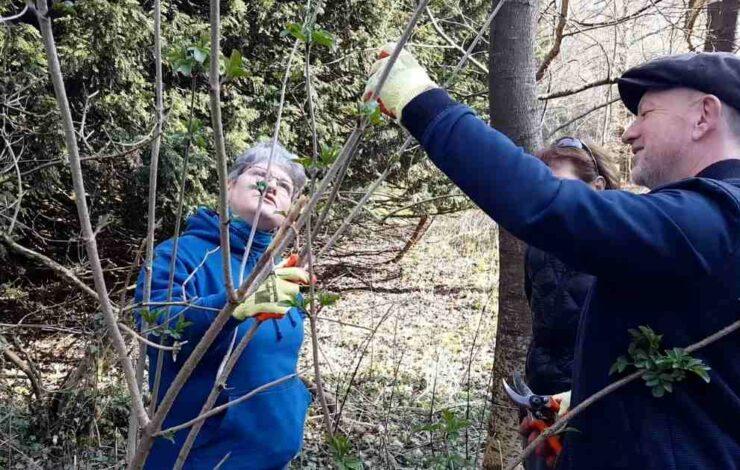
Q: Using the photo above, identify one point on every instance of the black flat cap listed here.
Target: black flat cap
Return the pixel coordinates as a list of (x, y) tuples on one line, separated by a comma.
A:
[(715, 73)]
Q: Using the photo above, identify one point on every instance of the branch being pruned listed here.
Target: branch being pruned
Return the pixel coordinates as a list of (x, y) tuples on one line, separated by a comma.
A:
[(560, 424)]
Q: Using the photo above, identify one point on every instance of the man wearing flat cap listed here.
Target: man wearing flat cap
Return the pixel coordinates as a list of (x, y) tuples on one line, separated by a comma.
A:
[(669, 259)]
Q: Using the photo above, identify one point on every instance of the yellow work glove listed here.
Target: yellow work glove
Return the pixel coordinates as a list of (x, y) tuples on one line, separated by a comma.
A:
[(276, 295), (406, 81)]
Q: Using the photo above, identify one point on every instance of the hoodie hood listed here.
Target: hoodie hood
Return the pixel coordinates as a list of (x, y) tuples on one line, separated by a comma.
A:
[(204, 224)]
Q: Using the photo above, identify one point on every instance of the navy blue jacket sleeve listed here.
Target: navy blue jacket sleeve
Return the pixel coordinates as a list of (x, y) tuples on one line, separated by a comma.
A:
[(683, 230), (200, 312)]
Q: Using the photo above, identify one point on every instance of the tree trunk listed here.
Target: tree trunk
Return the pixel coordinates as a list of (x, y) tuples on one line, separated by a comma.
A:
[(721, 25), (513, 106)]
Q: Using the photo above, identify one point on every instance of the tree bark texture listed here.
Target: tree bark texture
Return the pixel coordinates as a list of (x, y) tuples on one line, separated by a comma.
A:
[(721, 25), (513, 110)]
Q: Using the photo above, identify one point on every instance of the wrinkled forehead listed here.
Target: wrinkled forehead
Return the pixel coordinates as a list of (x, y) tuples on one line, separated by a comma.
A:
[(672, 98)]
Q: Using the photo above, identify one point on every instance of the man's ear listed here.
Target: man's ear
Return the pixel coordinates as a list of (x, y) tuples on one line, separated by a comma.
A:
[(710, 116)]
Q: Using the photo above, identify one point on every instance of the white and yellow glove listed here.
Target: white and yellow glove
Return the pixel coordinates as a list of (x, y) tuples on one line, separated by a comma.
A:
[(406, 81), (276, 295), (563, 399)]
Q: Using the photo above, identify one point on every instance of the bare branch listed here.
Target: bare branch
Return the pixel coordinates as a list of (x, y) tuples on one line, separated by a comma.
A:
[(563, 421), (35, 380), (573, 91), (221, 408), (218, 133), (452, 43), (83, 213), (46, 261), (218, 385), (582, 115), (9, 19), (555, 49)]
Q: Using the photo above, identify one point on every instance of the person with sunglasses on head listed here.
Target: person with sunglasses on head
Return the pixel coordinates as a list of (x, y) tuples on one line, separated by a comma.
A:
[(555, 291), (668, 259)]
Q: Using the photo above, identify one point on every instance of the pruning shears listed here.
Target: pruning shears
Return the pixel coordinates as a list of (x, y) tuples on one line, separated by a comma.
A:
[(542, 407)]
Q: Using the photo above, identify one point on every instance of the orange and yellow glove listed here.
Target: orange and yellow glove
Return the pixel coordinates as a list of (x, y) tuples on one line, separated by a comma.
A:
[(276, 295)]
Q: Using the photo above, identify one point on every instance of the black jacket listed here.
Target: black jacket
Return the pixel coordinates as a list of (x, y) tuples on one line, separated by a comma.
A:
[(556, 294)]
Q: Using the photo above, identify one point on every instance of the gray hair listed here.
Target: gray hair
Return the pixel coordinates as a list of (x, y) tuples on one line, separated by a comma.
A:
[(732, 117), (282, 158)]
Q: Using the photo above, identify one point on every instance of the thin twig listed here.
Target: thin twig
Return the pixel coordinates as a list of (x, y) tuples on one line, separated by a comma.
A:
[(582, 115), (310, 18), (20, 184), (573, 91), (151, 223), (273, 145), (35, 380), (357, 366), (175, 246), (407, 143), (218, 385), (563, 420), (134, 334), (45, 260), (221, 408), (452, 43), (555, 49)]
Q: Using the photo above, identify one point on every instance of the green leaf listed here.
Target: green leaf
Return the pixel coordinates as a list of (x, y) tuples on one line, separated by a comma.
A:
[(328, 298), (184, 67), (65, 8), (198, 53), (260, 186), (658, 391), (371, 109), (305, 161), (322, 37), (295, 30), (235, 66), (702, 372)]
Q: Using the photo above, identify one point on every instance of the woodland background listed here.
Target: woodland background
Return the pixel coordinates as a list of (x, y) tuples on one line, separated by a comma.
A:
[(408, 351)]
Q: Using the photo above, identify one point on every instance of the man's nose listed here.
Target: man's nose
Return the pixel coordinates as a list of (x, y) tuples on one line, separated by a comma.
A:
[(630, 134)]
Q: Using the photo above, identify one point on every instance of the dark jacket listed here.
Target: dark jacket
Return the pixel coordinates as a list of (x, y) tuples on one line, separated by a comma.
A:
[(263, 432), (556, 294), (669, 259)]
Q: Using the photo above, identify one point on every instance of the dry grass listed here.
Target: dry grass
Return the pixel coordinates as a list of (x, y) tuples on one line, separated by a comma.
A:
[(440, 299)]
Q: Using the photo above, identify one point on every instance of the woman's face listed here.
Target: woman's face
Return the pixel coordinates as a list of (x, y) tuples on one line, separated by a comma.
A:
[(244, 195), (565, 169)]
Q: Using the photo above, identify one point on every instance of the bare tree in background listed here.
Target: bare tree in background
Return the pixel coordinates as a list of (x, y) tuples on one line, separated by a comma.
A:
[(513, 106), (721, 25)]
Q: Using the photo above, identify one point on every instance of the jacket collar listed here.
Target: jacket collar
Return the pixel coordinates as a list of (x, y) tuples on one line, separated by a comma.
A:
[(722, 170)]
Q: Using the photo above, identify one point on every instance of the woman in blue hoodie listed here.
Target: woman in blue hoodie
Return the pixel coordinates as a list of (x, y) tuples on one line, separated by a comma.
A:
[(265, 431)]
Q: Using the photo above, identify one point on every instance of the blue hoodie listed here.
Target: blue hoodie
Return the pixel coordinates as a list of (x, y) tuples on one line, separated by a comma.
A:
[(263, 432)]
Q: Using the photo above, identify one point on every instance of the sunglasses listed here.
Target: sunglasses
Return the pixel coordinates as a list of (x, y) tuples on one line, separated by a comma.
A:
[(573, 143)]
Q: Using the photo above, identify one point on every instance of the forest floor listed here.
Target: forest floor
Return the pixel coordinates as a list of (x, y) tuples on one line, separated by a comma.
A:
[(406, 356), (414, 338)]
